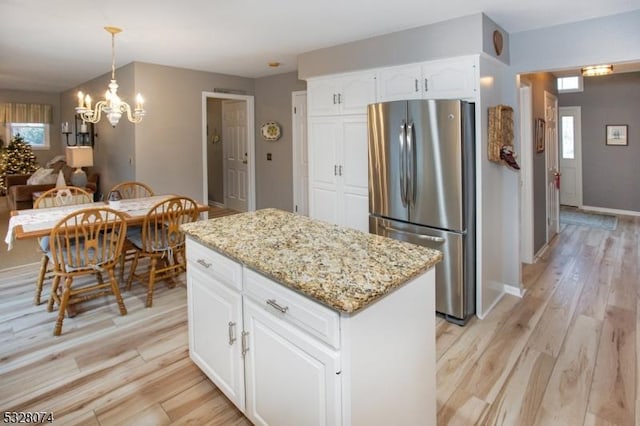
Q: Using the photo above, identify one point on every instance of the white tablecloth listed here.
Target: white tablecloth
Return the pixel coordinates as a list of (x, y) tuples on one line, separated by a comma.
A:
[(37, 219)]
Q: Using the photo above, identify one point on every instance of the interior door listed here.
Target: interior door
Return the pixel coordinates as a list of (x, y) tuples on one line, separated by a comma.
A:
[(553, 167), (570, 156), (234, 134)]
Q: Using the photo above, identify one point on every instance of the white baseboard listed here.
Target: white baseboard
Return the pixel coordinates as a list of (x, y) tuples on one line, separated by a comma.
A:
[(541, 252), (488, 310), (611, 211), (514, 291), (215, 204)]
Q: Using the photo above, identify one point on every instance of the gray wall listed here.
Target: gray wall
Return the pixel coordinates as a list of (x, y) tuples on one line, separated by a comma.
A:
[(113, 147), (168, 142), (56, 145), (215, 182), (456, 37), (274, 179), (609, 173), (540, 82)]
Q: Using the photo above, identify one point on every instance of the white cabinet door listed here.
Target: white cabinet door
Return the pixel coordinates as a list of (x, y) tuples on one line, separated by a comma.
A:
[(356, 92), (323, 96), (399, 83), (449, 79), (338, 170), (343, 94), (353, 173), (324, 135), (215, 326), (292, 379)]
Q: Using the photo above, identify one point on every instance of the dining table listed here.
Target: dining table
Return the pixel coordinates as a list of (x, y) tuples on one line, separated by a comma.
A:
[(35, 223)]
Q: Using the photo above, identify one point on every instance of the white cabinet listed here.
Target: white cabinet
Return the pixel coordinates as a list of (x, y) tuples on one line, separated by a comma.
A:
[(285, 359), (291, 378), (338, 170), (345, 94), (453, 78), (271, 366), (215, 324)]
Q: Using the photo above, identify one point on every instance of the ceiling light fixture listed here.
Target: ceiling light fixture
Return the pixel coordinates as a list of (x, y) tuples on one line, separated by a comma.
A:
[(597, 70), (274, 64), (112, 106)]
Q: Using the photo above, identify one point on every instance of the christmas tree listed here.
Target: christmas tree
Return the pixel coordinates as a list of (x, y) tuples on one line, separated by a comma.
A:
[(16, 158)]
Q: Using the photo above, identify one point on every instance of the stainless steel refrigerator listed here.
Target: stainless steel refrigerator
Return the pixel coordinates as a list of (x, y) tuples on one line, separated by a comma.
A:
[(422, 189)]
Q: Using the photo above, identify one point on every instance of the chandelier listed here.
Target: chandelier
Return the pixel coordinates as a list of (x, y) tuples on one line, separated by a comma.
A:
[(112, 105)]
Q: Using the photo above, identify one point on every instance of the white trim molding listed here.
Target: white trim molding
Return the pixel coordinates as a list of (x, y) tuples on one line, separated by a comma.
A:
[(611, 211)]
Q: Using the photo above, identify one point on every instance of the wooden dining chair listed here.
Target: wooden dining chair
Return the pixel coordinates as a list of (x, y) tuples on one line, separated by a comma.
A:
[(129, 190), (86, 242), (159, 239), (132, 189), (55, 197)]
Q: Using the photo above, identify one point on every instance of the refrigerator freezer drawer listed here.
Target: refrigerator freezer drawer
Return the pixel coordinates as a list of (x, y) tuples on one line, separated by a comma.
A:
[(455, 274)]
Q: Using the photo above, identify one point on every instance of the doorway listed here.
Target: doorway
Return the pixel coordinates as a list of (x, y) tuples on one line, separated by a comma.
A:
[(228, 150), (570, 156)]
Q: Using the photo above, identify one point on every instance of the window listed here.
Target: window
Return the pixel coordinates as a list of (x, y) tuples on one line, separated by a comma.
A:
[(568, 140), (35, 134), (570, 84)]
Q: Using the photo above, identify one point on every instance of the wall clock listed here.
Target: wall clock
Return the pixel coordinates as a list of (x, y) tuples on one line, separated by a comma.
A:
[(271, 131)]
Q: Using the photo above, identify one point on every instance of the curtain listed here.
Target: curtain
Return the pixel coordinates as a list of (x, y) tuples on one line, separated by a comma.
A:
[(25, 113)]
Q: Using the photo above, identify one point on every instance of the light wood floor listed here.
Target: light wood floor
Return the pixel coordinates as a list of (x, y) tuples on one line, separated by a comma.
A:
[(565, 354)]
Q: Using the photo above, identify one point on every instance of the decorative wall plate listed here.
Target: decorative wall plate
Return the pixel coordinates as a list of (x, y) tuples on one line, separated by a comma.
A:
[(271, 131)]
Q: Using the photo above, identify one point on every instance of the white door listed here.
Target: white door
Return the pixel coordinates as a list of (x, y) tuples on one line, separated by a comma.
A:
[(570, 156), (291, 378), (234, 137), (398, 83), (215, 312), (300, 155), (553, 168)]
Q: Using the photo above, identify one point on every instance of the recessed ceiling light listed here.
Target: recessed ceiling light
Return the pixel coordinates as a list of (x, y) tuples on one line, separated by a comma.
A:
[(597, 70), (274, 64)]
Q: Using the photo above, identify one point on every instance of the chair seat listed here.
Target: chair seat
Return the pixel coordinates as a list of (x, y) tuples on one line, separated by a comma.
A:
[(83, 263), (134, 236)]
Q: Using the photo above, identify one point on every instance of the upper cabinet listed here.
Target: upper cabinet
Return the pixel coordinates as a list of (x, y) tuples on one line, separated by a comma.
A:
[(453, 78), (345, 94)]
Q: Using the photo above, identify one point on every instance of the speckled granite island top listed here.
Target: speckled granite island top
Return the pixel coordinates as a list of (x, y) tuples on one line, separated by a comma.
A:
[(342, 268)]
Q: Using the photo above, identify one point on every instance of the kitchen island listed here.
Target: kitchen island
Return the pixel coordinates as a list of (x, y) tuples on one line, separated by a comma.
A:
[(300, 322)]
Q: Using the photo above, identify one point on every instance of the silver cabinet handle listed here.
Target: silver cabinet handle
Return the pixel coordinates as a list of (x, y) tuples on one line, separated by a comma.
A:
[(245, 344), (426, 85), (272, 302), (334, 99), (335, 170), (339, 98), (339, 170), (232, 335), (420, 236), (402, 136), (204, 263), (416, 81)]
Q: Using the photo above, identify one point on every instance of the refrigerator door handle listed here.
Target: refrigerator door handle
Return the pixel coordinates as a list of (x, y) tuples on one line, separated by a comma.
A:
[(402, 157), (411, 193), (420, 236)]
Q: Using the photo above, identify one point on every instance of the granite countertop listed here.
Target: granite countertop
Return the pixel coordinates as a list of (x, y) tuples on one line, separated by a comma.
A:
[(339, 267)]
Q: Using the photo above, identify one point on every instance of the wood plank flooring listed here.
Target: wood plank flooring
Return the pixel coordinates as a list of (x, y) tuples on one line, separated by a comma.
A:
[(564, 354)]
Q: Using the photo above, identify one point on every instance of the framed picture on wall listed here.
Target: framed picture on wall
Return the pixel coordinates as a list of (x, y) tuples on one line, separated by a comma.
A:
[(617, 134), (539, 135)]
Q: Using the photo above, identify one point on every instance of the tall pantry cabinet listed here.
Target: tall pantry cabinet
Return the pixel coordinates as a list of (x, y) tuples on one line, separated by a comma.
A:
[(338, 186)]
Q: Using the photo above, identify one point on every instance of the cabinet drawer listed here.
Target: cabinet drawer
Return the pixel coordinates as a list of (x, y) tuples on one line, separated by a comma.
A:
[(317, 320), (213, 264)]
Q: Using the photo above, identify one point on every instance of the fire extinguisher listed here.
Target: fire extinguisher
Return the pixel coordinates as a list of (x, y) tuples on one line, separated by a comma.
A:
[(556, 177)]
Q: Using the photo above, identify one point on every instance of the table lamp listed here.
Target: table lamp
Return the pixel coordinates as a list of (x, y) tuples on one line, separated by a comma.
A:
[(78, 157)]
